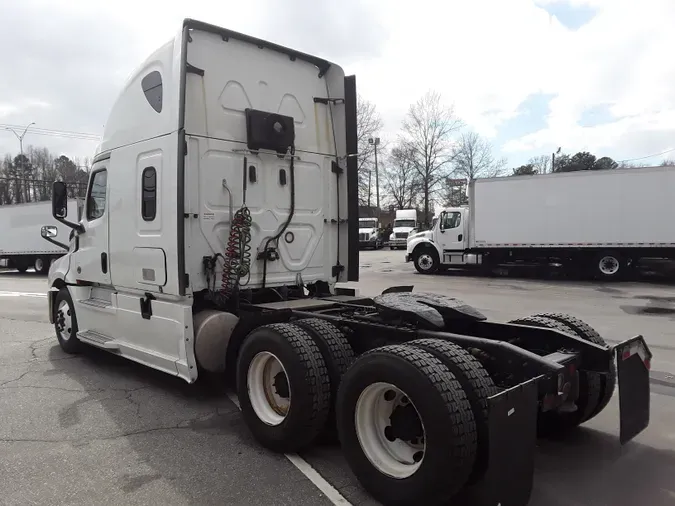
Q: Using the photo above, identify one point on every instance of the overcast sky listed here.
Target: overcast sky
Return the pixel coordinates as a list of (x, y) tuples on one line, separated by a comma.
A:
[(531, 75)]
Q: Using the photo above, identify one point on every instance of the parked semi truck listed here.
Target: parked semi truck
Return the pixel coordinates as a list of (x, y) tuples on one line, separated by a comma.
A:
[(404, 222), (221, 216), (21, 247), (370, 235), (599, 222)]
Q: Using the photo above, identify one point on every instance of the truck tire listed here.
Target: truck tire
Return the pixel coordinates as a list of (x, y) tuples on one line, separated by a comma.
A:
[(65, 322), (41, 265), (585, 331), (477, 385), (552, 423), (426, 260), (608, 265), (337, 354), (403, 394), (277, 364)]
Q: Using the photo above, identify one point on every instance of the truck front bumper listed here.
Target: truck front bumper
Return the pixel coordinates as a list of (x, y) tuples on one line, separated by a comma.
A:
[(408, 257)]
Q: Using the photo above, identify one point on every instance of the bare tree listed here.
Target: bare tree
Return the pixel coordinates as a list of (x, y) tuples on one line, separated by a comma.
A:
[(368, 123), (472, 158), (402, 181), (540, 163), (427, 135)]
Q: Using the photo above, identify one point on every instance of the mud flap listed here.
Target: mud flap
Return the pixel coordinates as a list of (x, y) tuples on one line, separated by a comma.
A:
[(512, 443), (633, 360)]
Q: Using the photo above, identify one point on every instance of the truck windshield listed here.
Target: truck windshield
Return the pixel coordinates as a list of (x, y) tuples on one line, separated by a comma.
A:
[(367, 223), (404, 223)]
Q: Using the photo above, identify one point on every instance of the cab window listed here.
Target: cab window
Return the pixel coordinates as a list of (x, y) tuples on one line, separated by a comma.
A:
[(452, 220), (96, 198)]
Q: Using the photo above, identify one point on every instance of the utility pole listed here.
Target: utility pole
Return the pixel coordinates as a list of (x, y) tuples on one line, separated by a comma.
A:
[(375, 142)]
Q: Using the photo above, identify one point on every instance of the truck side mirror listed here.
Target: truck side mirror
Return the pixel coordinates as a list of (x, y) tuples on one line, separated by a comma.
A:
[(59, 200), (49, 231), (441, 220)]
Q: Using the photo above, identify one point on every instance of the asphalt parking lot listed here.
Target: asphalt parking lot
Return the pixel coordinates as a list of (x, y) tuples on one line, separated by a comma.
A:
[(96, 429)]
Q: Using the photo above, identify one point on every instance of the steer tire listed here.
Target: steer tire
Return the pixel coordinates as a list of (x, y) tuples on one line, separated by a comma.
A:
[(585, 331), (307, 378), (65, 322), (477, 385), (554, 423), (426, 260), (338, 356), (444, 411)]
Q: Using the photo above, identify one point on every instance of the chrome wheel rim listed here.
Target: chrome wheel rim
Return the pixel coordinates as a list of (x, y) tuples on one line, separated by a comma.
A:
[(64, 320), (609, 265)]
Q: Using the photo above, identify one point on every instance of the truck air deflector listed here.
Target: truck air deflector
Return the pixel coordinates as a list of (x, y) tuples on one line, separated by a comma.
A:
[(321, 64)]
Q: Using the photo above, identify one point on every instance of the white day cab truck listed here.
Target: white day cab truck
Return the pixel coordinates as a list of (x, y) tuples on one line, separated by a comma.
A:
[(600, 223), (404, 222), (221, 211), (21, 247), (370, 235)]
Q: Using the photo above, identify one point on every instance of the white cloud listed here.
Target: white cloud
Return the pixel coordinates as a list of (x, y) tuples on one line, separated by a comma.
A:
[(485, 56)]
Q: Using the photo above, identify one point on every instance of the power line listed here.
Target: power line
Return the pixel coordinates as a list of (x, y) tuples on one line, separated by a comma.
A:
[(648, 156), (55, 133)]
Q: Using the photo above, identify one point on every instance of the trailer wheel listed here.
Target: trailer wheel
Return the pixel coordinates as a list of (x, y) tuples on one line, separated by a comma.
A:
[(41, 265), (590, 388), (283, 387), (585, 331), (336, 352), (406, 426), (477, 385), (65, 322), (426, 260), (608, 265)]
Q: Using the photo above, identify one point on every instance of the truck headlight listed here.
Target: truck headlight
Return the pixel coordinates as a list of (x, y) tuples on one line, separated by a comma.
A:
[(373, 238), (391, 237)]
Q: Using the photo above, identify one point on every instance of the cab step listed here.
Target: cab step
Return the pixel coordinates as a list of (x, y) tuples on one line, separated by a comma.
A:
[(98, 340), (98, 303)]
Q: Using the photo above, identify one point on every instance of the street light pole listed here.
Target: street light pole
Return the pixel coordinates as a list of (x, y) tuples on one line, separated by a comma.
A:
[(375, 142), (20, 137)]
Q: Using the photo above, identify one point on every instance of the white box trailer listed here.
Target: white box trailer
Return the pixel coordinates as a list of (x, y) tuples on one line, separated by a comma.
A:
[(21, 244), (199, 252), (602, 221)]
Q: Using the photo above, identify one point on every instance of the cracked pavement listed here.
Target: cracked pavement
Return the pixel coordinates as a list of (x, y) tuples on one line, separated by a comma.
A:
[(96, 429)]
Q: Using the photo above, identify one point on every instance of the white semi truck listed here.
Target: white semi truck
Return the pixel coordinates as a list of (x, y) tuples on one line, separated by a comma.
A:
[(370, 235), (222, 209), (21, 247), (404, 222), (599, 222)]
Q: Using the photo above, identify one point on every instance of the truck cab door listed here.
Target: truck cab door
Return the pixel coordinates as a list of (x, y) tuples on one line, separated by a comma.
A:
[(451, 231), (90, 263)]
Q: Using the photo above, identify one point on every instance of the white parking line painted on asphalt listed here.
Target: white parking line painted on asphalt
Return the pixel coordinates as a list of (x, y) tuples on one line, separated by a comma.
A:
[(305, 468), (23, 294)]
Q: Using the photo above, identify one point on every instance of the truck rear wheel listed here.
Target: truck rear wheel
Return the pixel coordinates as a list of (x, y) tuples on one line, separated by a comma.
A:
[(283, 387), (426, 260), (551, 423), (477, 385), (585, 331), (406, 426), (336, 352)]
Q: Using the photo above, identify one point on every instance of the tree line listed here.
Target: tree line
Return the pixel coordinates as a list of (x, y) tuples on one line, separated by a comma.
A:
[(434, 156), (28, 177)]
